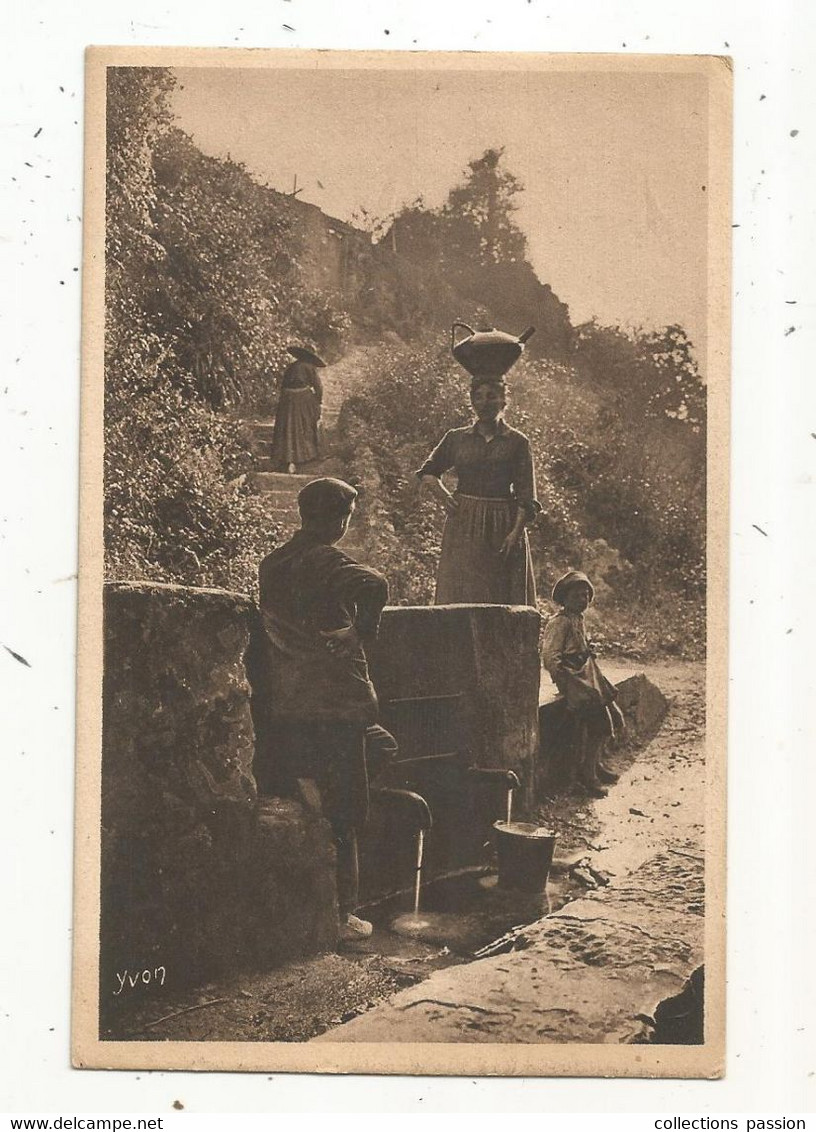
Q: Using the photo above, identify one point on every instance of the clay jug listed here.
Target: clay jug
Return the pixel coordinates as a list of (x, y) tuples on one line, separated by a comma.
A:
[(488, 352)]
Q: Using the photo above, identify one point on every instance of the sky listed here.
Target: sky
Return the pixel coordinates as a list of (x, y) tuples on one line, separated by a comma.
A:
[(613, 163)]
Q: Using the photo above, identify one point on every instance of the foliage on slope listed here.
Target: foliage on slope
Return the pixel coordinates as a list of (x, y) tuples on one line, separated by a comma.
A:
[(202, 296)]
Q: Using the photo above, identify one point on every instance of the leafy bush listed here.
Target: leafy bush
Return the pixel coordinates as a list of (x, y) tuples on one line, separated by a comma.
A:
[(171, 511), (408, 398)]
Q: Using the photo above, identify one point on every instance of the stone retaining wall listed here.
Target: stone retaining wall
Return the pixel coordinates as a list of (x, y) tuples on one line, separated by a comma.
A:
[(196, 876)]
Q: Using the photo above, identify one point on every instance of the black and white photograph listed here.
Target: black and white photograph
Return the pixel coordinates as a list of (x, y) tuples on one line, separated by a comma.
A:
[(403, 563)]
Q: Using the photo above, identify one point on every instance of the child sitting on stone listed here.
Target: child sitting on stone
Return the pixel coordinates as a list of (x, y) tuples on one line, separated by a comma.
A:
[(590, 697)]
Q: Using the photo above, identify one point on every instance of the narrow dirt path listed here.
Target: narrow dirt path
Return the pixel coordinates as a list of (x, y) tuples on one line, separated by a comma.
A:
[(661, 795), (341, 380)]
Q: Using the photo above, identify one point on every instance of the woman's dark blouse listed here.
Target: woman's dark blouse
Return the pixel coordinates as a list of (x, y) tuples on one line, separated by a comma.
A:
[(501, 468), (301, 375)]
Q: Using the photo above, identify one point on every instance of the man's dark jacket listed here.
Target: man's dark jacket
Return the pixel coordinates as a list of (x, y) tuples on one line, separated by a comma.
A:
[(307, 587)]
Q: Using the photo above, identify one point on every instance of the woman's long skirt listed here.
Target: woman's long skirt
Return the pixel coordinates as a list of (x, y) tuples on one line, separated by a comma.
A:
[(471, 569), (295, 439)]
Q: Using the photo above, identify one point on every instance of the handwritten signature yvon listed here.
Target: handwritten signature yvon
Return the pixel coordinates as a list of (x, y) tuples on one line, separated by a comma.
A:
[(139, 978)]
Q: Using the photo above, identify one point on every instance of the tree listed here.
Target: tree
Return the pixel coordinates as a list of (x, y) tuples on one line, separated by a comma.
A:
[(652, 373), (474, 230), (676, 389), (417, 232), (480, 211)]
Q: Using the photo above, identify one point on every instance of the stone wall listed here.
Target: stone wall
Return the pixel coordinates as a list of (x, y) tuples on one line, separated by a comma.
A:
[(644, 707), (381, 290), (331, 251), (196, 876), (458, 686), (199, 876), (487, 654)]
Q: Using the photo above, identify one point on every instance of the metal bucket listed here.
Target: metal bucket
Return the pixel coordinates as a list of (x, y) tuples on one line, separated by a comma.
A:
[(525, 853)]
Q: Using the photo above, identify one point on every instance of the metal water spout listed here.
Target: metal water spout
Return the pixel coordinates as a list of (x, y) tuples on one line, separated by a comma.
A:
[(488, 352), (420, 808), (499, 774), (524, 850), (424, 821)]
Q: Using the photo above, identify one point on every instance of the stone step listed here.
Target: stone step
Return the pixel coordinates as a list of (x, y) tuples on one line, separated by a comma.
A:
[(328, 467), (261, 431)]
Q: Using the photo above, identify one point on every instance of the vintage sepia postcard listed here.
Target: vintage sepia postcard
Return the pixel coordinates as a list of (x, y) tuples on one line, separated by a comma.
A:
[(403, 579)]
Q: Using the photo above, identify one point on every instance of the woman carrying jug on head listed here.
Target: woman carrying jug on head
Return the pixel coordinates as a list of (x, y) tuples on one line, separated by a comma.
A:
[(485, 557), (296, 437)]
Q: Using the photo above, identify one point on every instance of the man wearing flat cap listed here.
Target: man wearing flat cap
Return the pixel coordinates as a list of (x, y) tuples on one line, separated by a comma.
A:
[(320, 609)]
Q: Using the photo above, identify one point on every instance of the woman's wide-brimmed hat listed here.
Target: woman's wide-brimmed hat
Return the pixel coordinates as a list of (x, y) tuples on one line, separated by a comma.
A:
[(571, 578), (304, 355)]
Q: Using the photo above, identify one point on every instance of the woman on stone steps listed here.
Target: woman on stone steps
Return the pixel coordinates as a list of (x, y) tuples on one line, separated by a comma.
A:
[(296, 439)]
